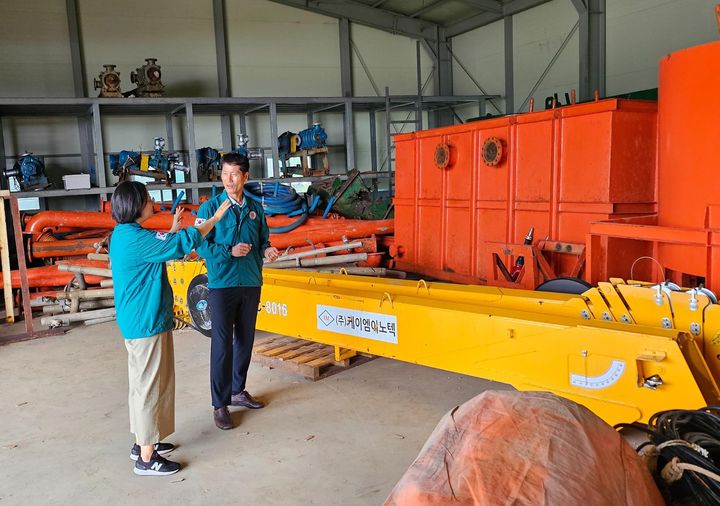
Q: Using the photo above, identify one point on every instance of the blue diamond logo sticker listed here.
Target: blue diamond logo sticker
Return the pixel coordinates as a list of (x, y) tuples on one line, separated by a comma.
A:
[(326, 318)]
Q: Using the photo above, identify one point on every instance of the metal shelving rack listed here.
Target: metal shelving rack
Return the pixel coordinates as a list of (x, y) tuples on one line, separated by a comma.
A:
[(90, 111)]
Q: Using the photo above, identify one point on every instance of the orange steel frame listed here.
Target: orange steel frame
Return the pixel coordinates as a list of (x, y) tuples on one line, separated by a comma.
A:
[(500, 257)]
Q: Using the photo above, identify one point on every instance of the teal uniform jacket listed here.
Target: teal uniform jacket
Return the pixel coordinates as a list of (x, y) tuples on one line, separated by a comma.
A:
[(247, 225), (143, 297)]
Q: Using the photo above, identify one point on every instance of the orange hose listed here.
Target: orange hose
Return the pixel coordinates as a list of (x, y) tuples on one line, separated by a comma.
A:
[(51, 276)]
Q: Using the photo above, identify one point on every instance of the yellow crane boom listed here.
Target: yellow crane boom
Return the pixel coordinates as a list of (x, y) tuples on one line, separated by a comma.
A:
[(624, 350)]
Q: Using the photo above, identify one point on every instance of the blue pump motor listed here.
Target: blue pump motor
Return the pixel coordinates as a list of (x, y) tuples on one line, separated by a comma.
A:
[(158, 162), (29, 171), (208, 160), (313, 137), (124, 160)]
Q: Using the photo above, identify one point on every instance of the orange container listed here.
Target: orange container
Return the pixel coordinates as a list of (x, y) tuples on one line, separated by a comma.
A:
[(463, 190), (689, 154), (684, 236)]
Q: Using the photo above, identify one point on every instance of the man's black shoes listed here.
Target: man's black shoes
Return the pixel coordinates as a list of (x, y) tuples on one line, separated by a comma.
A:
[(246, 400), (222, 419)]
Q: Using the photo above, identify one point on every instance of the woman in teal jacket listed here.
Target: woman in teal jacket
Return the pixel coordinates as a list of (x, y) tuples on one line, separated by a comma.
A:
[(144, 311)]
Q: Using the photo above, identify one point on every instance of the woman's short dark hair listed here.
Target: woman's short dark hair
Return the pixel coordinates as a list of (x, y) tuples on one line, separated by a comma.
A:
[(236, 159), (128, 201)]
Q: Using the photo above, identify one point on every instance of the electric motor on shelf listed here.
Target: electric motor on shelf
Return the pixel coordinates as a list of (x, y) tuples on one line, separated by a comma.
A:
[(148, 79), (313, 137), (310, 138), (208, 159), (28, 172), (159, 165), (108, 82)]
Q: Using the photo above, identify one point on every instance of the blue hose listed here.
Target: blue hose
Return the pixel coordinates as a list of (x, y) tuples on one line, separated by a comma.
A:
[(315, 202), (278, 199), (177, 201), (329, 206)]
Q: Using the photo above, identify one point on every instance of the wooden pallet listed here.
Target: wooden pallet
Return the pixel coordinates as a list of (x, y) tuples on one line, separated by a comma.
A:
[(306, 358)]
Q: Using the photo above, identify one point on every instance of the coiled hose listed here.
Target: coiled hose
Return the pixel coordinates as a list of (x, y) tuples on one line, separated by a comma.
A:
[(278, 198), (686, 444)]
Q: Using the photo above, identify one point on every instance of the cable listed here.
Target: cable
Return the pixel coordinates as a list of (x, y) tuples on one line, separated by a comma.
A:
[(278, 199), (662, 269), (686, 444)]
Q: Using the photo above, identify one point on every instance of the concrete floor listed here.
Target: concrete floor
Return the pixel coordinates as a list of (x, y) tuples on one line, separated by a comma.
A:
[(346, 439)]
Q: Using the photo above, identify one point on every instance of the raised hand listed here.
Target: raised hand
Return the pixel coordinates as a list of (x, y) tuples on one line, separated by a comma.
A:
[(222, 210), (177, 219)]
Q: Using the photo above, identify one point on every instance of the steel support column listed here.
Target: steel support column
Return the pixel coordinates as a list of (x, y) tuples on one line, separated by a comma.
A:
[(443, 79), (418, 104), (274, 140), (169, 134), (349, 136), (345, 58), (373, 141), (226, 126), (85, 129), (347, 91), (192, 159), (509, 67), (591, 18), (78, 69), (97, 141)]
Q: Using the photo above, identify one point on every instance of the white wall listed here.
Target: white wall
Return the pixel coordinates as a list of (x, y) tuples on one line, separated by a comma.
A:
[(276, 50), (391, 61), (639, 32), (482, 52), (34, 49), (176, 33)]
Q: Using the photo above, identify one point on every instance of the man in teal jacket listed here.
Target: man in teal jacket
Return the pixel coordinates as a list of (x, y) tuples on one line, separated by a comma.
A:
[(234, 252)]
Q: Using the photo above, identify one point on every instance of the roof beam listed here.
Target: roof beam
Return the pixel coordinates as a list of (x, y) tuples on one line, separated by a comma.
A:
[(486, 5), (426, 8), (485, 18), (367, 15)]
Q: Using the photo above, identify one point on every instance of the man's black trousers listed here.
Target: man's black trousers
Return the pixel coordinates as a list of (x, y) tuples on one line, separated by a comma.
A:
[(233, 312)]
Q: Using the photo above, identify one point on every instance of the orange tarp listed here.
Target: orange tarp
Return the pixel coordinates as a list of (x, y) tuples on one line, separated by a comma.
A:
[(525, 448)]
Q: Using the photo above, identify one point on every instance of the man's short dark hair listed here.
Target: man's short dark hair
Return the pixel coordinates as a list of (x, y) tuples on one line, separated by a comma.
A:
[(128, 201), (236, 159)]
